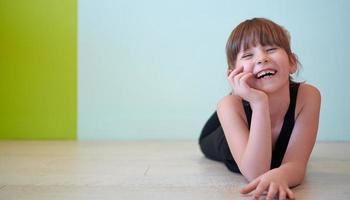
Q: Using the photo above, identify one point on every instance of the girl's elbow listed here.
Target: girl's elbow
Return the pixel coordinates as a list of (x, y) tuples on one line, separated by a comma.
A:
[(301, 177), (250, 175)]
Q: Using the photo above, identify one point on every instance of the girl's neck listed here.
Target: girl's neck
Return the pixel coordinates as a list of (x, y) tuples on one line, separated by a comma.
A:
[(279, 104)]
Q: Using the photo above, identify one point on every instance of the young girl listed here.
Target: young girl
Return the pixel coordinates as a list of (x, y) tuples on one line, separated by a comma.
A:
[(267, 127)]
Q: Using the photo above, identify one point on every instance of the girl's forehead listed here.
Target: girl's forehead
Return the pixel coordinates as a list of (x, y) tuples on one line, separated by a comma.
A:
[(255, 38), (245, 47)]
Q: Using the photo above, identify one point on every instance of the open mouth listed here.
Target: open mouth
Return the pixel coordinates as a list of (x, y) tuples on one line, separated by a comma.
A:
[(265, 74)]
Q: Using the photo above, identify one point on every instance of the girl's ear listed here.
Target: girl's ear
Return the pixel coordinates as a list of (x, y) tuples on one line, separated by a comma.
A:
[(294, 65), (293, 68)]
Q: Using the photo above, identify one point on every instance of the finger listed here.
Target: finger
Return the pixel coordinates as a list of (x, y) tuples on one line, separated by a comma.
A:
[(273, 189), (263, 186), (235, 71), (238, 77), (290, 194), (282, 194), (250, 186), (245, 81), (235, 80), (245, 77)]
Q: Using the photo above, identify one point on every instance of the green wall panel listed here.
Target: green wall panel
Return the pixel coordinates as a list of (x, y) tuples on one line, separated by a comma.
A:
[(38, 69)]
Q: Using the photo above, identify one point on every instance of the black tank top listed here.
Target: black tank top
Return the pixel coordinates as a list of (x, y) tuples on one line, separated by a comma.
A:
[(284, 136)]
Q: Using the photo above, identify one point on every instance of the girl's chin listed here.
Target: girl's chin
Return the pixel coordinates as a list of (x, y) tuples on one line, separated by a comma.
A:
[(270, 87), (265, 86)]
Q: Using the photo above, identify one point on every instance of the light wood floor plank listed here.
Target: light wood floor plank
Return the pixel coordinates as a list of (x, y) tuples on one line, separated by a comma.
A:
[(147, 170)]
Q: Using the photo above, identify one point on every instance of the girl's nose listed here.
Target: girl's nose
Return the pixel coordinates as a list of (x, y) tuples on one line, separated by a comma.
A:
[(262, 59)]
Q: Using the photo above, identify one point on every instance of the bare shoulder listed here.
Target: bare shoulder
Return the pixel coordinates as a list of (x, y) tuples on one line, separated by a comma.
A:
[(231, 104), (229, 100), (309, 91), (308, 97)]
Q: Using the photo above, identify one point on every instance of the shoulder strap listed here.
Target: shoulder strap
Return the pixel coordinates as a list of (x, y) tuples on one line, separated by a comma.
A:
[(286, 131)]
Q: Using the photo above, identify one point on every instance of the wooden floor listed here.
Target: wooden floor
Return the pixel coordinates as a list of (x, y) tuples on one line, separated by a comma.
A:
[(146, 170)]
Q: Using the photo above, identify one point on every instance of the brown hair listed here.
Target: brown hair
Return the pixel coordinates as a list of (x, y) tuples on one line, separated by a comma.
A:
[(257, 31)]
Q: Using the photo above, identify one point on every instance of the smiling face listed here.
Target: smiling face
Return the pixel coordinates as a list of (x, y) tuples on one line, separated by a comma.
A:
[(256, 31), (269, 64), (260, 44)]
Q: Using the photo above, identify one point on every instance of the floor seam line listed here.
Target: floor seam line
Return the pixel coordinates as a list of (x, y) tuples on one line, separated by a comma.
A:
[(146, 171)]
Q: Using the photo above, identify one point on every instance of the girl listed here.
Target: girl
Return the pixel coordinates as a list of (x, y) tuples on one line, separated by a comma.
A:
[(267, 127)]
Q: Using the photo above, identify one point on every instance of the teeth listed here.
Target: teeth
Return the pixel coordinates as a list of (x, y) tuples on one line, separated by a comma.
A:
[(265, 72)]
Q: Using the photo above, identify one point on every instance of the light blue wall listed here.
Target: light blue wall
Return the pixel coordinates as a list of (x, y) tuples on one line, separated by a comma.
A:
[(155, 69)]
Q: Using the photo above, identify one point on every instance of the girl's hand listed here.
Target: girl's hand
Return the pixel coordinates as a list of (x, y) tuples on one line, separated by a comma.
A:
[(238, 80), (273, 182)]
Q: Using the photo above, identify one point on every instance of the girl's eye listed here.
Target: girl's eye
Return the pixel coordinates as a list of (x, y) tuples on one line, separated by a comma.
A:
[(272, 49), (249, 55)]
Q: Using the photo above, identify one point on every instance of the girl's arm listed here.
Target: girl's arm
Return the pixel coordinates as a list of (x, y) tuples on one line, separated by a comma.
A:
[(251, 150), (303, 136), (293, 167)]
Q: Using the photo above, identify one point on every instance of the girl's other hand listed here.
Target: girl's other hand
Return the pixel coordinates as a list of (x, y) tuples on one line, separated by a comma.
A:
[(271, 182), (238, 80)]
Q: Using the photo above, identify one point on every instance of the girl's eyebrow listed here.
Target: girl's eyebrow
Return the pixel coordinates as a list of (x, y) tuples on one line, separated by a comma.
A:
[(246, 50), (270, 45)]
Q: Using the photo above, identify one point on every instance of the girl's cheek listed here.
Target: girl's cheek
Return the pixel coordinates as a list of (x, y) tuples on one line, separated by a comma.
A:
[(247, 68)]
